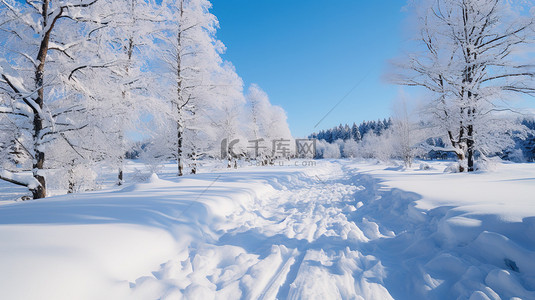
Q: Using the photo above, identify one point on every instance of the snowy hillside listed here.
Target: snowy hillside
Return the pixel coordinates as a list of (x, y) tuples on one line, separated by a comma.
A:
[(339, 230)]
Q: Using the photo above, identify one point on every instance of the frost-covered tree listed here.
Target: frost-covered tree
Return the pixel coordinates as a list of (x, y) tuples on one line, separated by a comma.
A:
[(327, 150), (191, 55), (347, 132), (128, 40), (350, 149), (355, 133), (228, 111), (257, 105), (380, 147), (268, 122), (470, 58), (202, 94), (407, 134), (44, 43)]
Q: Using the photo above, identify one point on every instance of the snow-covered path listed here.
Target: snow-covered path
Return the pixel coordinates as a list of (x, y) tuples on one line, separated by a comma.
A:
[(296, 241)]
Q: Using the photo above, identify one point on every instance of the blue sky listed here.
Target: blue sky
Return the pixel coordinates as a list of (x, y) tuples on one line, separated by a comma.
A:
[(308, 54)]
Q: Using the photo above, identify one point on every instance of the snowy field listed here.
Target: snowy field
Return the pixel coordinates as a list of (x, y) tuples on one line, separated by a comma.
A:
[(338, 230)]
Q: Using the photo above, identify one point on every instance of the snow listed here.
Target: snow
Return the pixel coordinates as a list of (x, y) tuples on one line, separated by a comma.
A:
[(25, 179), (463, 231), (342, 229), (17, 82)]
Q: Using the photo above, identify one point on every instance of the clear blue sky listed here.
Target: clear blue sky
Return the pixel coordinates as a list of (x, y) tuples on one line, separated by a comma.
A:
[(308, 54)]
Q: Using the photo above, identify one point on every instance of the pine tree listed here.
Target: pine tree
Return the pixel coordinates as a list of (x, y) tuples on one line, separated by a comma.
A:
[(355, 133)]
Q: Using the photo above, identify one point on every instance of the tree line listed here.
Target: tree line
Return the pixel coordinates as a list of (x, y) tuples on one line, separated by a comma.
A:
[(354, 132)]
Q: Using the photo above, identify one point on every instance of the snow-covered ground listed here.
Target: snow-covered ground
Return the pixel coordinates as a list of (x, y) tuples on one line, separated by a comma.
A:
[(340, 229)]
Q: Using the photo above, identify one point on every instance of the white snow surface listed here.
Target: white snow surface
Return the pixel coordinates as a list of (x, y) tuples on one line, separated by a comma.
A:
[(339, 230)]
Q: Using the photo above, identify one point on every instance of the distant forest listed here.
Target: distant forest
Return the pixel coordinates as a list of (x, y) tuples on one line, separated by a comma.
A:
[(355, 132)]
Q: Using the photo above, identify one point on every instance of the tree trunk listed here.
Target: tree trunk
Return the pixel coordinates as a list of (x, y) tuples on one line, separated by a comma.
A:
[(129, 53), (120, 176), (194, 163), (457, 145), (179, 152), (121, 157), (72, 184), (38, 122), (470, 146), (180, 97)]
